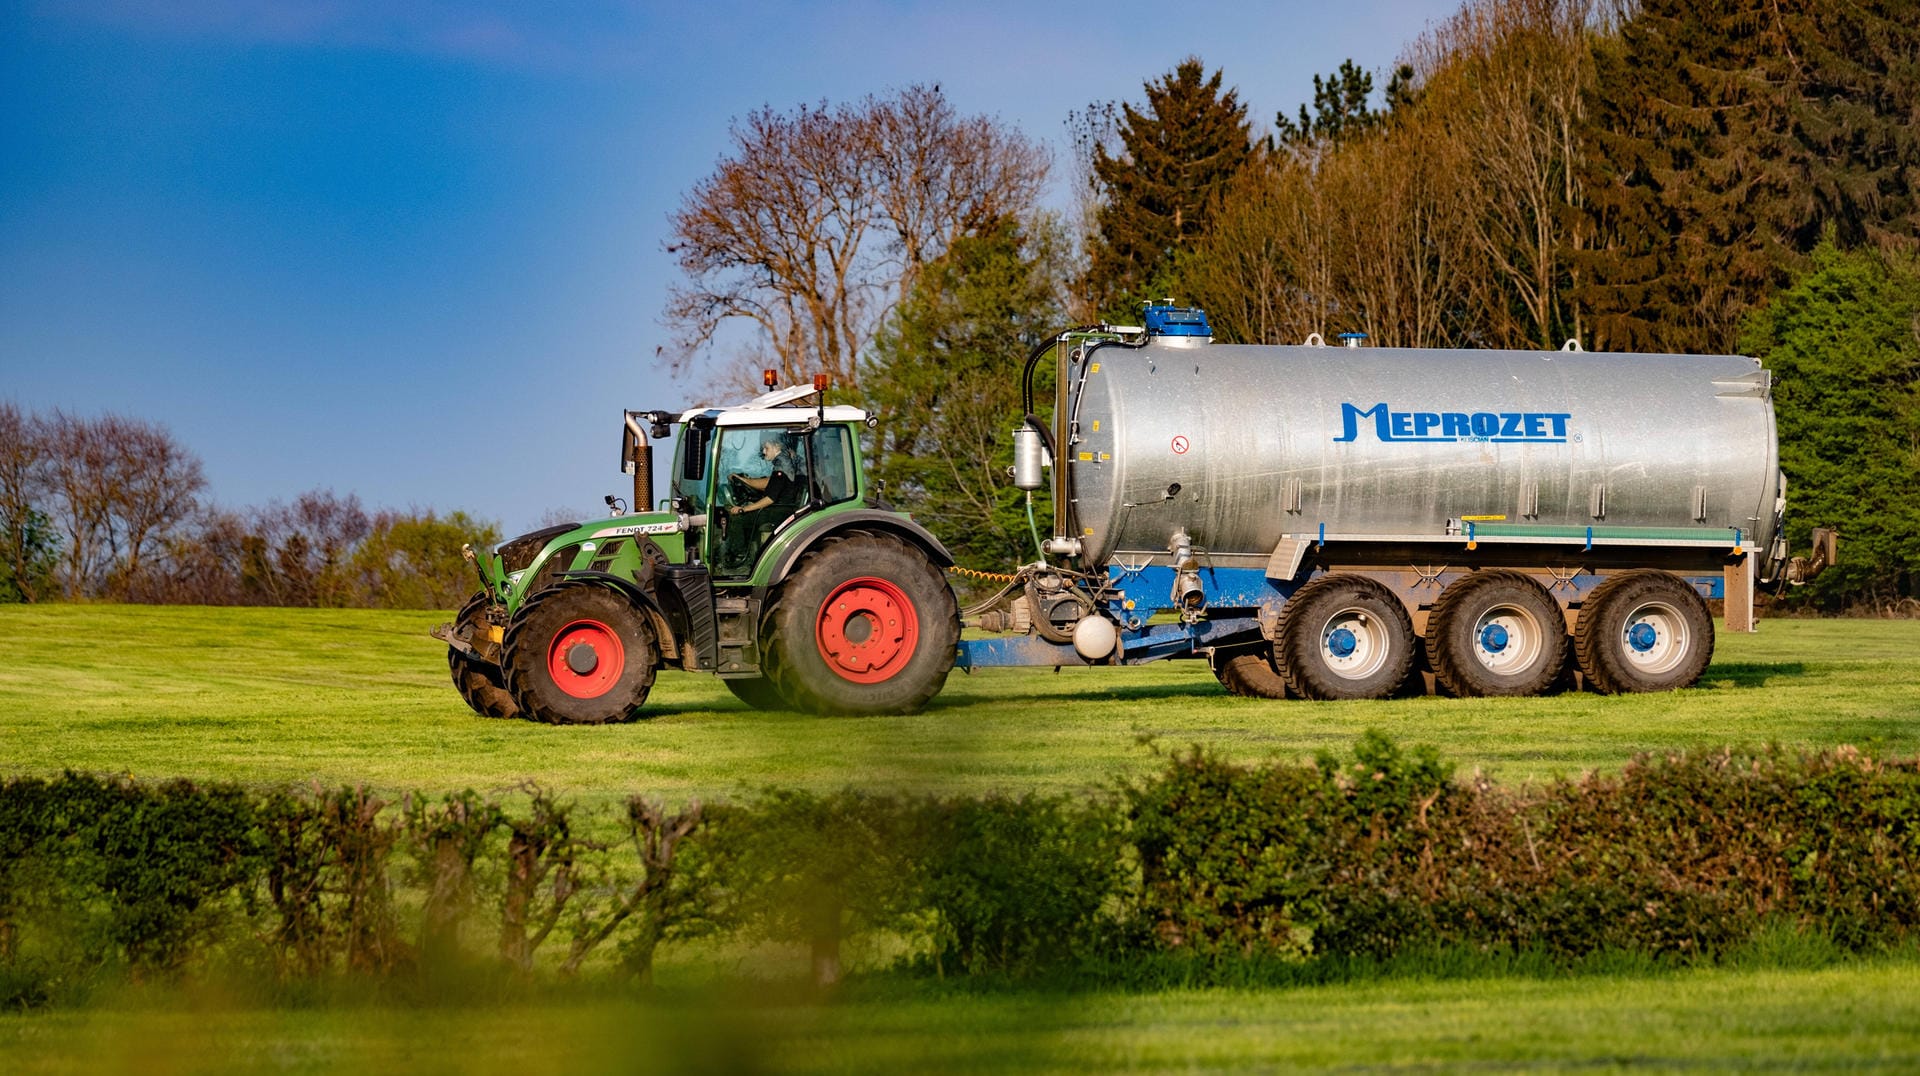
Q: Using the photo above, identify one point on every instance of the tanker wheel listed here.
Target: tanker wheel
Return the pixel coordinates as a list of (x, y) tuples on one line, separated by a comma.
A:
[(579, 654), (865, 625), (1345, 637), (759, 693), (1496, 633), (1644, 630), (1249, 672), (480, 683)]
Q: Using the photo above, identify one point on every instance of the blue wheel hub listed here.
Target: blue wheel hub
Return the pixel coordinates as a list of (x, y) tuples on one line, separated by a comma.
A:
[(1341, 643), (1494, 638), (1642, 637)]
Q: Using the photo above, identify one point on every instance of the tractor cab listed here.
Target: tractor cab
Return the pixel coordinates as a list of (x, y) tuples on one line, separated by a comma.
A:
[(751, 474)]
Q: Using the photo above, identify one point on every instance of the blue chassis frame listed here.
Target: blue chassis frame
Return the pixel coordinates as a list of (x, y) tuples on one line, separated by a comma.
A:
[(1244, 597)]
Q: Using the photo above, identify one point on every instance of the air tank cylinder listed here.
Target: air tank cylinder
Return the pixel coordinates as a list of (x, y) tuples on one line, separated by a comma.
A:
[(1029, 457)]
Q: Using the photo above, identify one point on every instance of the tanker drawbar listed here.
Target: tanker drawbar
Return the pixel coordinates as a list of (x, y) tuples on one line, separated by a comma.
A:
[(1326, 521)]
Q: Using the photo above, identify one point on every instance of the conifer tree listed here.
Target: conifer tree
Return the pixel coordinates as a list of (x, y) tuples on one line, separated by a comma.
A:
[(1845, 355), (1176, 156), (944, 370), (1340, 108), (1723, 139)]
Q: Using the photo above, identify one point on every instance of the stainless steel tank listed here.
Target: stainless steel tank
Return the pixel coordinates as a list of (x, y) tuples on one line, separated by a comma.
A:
[(1240, 445)]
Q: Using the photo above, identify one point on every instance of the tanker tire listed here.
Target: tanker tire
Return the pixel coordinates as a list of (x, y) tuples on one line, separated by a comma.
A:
[(1345, 637), (1643, 631), (759, 693), (1496, 634), (1250, 673), (555, 681), (480, 683), (866, 624)]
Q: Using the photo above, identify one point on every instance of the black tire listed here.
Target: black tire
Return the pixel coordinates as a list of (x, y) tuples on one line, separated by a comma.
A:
[(1249, 672), (579, 654), (1345, 637), (1644, 630), (866, 624), (480, 683), (759, 693), (1496, 633)]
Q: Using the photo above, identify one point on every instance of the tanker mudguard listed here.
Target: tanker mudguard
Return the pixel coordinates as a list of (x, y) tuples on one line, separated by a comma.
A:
[(870, 518)]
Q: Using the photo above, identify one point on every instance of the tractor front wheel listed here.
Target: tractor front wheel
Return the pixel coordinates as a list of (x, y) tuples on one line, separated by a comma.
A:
[(865, 625), (480, 683), (579, 654)]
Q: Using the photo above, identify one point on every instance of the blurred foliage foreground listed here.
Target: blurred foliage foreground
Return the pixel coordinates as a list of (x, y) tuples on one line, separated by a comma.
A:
[(1201, 872)]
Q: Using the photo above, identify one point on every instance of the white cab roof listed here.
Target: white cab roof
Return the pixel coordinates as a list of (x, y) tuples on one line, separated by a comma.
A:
[(781, 407)]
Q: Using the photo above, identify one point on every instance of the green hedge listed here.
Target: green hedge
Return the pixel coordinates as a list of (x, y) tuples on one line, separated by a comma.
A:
[(1212, 865)]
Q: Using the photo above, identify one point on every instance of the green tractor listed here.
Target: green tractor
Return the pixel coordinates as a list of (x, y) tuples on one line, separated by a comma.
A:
[(773, 565)]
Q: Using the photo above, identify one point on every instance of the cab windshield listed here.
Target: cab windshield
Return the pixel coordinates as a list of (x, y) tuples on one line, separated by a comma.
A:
[(768, 476)]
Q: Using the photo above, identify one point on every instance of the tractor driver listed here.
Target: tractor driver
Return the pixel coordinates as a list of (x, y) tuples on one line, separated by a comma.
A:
[(780, 490)]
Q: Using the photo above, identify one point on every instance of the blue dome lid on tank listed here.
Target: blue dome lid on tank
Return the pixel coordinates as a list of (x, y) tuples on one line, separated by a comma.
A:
[(1169, 320)]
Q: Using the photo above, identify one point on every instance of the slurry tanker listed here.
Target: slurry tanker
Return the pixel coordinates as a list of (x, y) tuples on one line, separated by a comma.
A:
[(1320, 522)]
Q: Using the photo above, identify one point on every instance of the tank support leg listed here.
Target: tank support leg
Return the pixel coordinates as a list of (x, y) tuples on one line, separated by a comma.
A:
[(1739, 593)]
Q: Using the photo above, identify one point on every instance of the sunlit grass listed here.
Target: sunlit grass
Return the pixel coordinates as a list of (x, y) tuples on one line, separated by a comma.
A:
[(273, 696), (1858, 1016), (268, 696)]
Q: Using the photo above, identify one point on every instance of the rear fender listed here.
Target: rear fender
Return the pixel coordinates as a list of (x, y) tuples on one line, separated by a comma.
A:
[(864, 519)]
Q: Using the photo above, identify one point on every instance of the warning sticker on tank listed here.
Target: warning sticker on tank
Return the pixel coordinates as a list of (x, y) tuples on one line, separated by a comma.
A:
[(1180, 445)]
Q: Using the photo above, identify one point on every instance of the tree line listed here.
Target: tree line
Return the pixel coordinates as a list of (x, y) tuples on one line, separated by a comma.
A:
[(112, 507), (1654, 176)]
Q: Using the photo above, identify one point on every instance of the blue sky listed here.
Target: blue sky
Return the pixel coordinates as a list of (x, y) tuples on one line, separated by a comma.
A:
[(413, 250)]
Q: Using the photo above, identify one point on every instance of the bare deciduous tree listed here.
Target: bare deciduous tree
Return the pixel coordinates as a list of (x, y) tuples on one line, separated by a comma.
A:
[(816, 223), (23, 488), (78, 467), (152, 484), (1508, 90)]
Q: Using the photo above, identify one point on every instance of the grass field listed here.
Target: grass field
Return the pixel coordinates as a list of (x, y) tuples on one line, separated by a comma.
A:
[(1858, 1017), (268, 696), (272, 696)]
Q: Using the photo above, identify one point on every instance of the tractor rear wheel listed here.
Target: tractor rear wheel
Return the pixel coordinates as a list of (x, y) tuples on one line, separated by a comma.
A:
[(579, 654), (759, 693), (1496, 633), (1643, 630), (1345, 637), (865, 625), (1249, 672), (480, 683)]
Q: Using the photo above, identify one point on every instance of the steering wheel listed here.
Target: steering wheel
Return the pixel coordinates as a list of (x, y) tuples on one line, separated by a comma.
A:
[(738, 488)]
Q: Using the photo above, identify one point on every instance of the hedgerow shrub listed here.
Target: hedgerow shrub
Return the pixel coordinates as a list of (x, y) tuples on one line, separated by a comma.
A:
[(1016, 886), (1215, 865)]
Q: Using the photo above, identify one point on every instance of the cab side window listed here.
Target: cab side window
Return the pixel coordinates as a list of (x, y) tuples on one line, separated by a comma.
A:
[(832, 464)]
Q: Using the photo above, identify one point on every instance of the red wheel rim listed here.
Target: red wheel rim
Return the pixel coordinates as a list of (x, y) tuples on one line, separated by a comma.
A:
[(586, 659), (867, 630)]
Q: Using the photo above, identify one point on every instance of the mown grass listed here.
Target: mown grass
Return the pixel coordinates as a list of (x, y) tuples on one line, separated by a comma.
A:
[(268, 696), (1856, 1016)]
